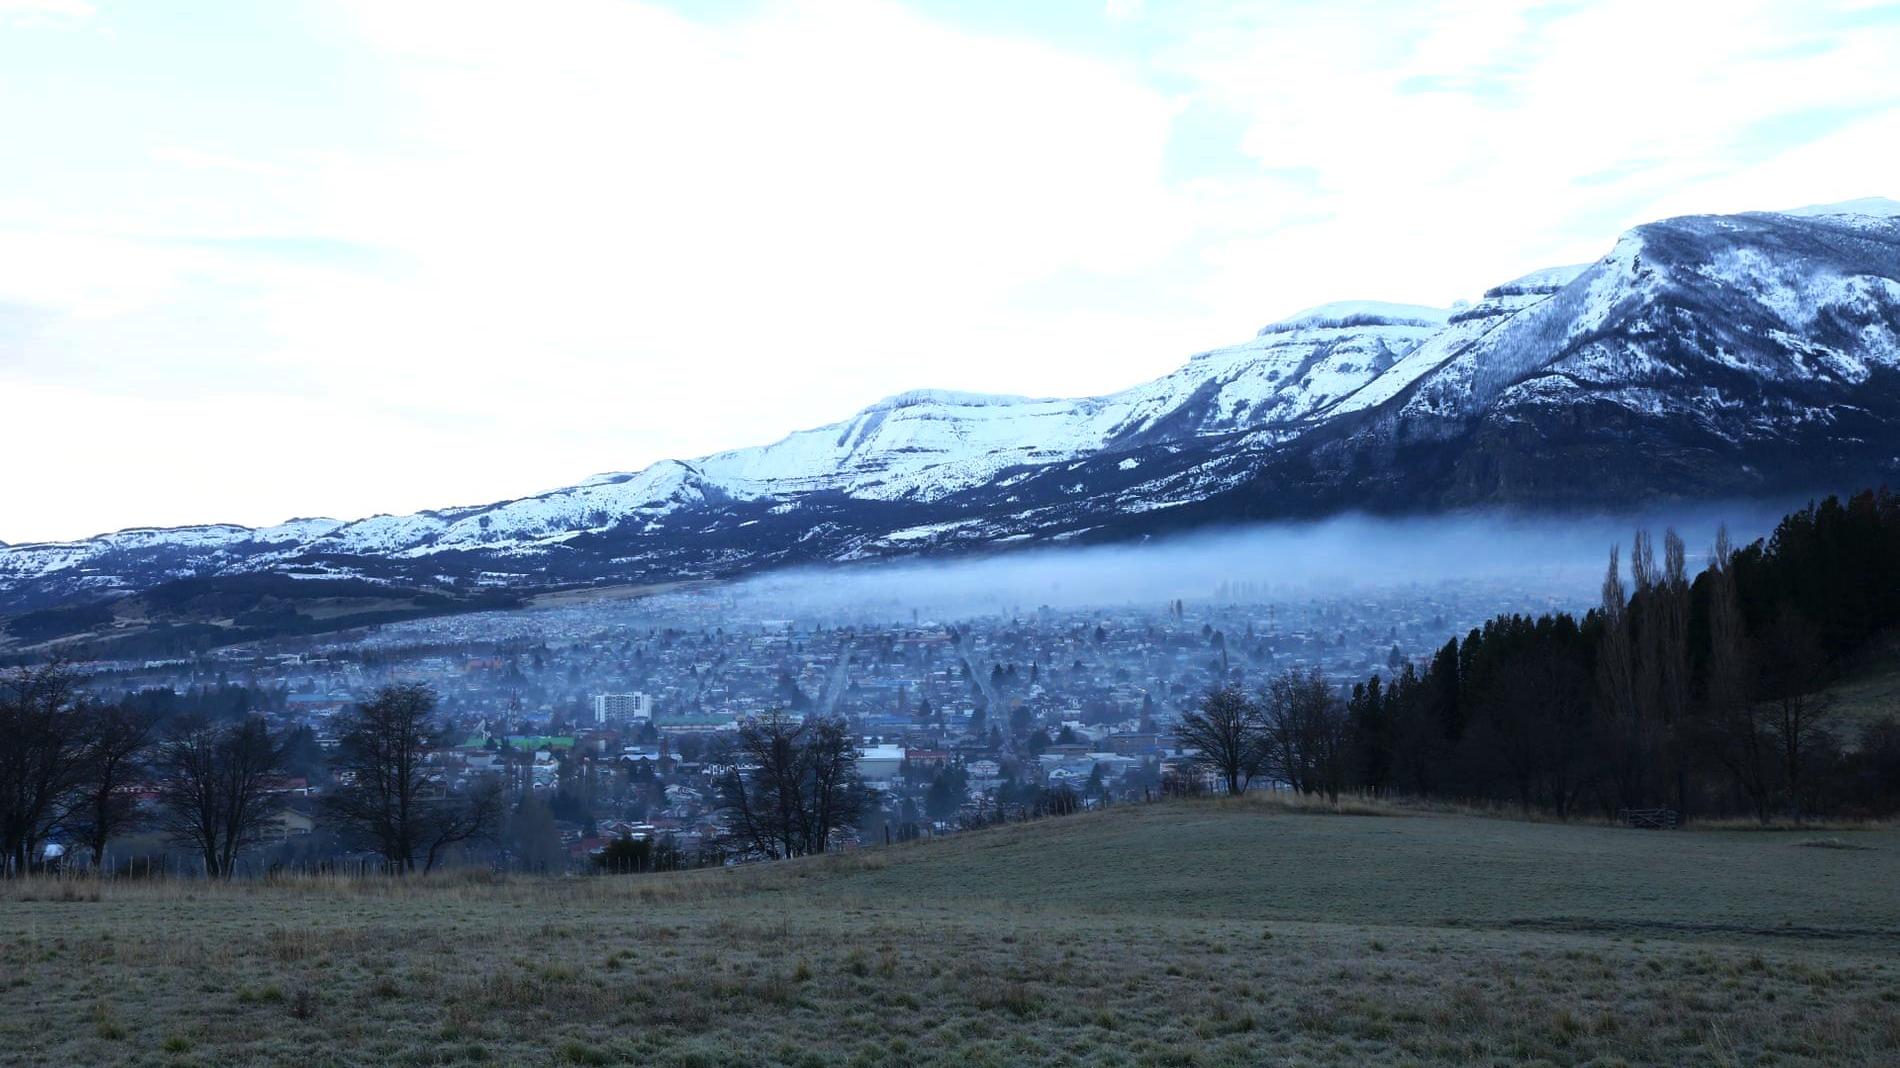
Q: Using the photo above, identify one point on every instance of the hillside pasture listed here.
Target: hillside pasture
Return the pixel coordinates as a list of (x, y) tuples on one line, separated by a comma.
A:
[(1187, 933)]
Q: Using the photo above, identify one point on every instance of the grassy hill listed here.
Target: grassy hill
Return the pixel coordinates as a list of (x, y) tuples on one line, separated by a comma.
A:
[(1206, 933), (188, 615), (1870, 690)]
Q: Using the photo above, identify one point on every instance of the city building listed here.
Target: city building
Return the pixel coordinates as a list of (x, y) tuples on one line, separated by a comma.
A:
[(880, 762), (622, 706)]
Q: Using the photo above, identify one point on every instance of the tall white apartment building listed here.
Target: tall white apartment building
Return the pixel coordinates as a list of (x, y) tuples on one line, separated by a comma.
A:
[(622, 706)]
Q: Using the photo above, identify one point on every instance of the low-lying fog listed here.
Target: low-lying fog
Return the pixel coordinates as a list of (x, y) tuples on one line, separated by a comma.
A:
[(1489, 562), (1562, 558)]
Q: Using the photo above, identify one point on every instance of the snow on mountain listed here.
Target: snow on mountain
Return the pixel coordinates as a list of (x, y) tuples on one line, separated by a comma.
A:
[(1703, 356), (295, 531), (1736, 304), (1290, 371), (1874, 207), (925, 444), (919, 444), (1779, 298), (38, 558), (1704, 336), (1458, 341), (1359, 312), (549, 518)]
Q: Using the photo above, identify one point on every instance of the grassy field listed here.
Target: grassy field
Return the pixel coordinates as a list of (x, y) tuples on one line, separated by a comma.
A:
[(1204, 933), (1869, 694)]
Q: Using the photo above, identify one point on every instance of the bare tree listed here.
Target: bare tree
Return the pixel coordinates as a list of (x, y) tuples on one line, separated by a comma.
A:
[(1673, 627), (1059, 800), (1307, 731), (43, 758), (1793, 669), (218, 788), (757, 788), (531, 837), (388, 797), (835, 798), (1617, 684), (118, 740), (1655, 629), (789, 786), (1738, 736), (1224, 736), (1669, 623)]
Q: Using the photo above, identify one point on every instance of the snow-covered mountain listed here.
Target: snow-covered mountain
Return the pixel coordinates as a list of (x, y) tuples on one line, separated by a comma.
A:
[(1702, 355)]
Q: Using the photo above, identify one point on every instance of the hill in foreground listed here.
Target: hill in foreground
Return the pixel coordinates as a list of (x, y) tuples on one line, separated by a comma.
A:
[(1185, 933)]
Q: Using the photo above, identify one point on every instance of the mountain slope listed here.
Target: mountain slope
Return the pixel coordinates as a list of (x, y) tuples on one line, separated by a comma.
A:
[(1703, 356)]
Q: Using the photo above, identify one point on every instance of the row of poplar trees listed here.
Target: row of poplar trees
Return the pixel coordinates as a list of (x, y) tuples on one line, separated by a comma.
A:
[(1707, 694)]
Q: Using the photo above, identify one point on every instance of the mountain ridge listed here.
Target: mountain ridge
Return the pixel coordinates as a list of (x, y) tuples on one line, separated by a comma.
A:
[(1738, 353)]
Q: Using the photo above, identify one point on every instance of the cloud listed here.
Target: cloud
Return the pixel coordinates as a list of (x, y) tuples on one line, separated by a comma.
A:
[(64, 9), (1452, 142), (197, 159), (622, 214), (507, 246)]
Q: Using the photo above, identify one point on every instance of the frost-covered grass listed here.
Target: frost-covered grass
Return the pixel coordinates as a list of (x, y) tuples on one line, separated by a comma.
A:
[(1868, 695), (1190, 933)]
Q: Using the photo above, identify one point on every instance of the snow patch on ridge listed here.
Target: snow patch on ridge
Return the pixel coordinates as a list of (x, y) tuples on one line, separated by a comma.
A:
[(1874, 207), (1351, 313)]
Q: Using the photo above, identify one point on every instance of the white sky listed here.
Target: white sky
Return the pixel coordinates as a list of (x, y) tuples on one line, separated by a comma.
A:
[(270, 259)]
